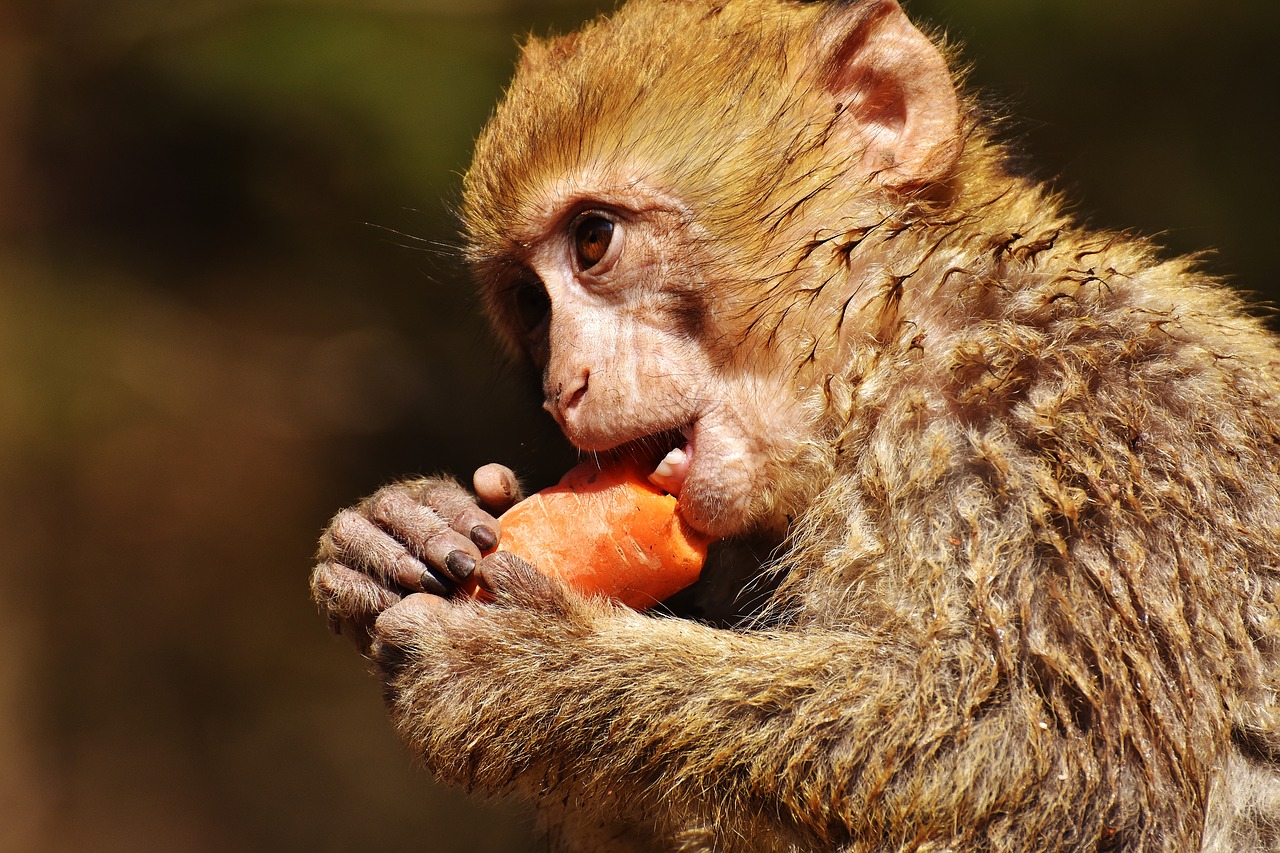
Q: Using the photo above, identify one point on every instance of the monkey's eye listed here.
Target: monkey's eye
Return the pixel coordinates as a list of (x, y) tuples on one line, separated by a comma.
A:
[(592, 235), (532, 303)]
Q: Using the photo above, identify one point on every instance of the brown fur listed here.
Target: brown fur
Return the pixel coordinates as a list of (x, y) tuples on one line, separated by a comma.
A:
[(1029, 594)]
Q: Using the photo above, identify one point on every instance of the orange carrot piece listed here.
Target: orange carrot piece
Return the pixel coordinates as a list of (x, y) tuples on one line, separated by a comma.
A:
[(608, 531)]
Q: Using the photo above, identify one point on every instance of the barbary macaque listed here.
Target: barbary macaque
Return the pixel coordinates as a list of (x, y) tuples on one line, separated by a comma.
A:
[(1023, 478)]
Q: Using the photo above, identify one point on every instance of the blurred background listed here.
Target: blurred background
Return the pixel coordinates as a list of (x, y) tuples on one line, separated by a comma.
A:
[(230, 303)]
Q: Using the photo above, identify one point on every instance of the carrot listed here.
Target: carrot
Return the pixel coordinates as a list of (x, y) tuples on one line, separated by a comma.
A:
[(608, 531)]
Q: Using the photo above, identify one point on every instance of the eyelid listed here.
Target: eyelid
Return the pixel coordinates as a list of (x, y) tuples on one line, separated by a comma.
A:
[(593, 213)]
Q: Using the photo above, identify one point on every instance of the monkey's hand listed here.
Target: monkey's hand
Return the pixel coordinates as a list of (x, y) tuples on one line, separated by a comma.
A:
[(445, 661), (416, 536)]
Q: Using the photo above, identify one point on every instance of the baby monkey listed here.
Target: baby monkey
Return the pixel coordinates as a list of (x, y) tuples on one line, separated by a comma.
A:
[(1023, 476)]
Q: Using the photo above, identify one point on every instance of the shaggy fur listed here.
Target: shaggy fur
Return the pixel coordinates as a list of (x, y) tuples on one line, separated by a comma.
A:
[(1028, 600)]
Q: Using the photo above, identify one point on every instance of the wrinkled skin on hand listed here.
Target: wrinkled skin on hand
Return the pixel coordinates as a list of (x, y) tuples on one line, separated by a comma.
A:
[(423, 627), (387, 572), (407, 547)]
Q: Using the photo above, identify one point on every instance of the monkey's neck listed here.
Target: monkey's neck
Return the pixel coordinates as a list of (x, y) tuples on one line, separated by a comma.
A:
[(914, 286)]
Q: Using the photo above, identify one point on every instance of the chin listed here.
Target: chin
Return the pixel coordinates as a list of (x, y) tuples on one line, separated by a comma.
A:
[(719, 507)]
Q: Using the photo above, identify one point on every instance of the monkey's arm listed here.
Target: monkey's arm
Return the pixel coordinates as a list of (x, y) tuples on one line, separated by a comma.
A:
[(821, 733)]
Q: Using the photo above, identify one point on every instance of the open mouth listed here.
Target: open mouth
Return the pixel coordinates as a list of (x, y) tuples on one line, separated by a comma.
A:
[(667, 455), (671, 472)]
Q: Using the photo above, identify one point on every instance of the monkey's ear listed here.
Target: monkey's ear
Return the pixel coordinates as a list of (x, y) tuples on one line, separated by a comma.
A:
[(895, 94)]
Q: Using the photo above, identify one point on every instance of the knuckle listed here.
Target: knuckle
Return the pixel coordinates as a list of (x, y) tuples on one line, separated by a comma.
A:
[(327, 549), (333, 587), (429, 490), (347, 528), (360, 544), (424, 507), (336, 535), (384, 505), (450, 499), (400, 513), (349, 596)]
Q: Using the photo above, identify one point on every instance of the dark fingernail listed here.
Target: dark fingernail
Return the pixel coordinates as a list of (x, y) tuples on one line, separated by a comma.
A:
[(485, 539), (432, 584), (460, 565)]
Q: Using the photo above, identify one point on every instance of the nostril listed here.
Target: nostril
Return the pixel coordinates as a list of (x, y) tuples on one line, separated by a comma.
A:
[(575, 397), (565, 397)]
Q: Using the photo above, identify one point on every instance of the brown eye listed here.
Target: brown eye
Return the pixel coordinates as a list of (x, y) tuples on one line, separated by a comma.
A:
[(591, 238)]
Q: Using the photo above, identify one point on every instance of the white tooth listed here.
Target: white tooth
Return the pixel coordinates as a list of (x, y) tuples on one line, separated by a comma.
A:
[(672, 460), (670, 468), (665, 468)]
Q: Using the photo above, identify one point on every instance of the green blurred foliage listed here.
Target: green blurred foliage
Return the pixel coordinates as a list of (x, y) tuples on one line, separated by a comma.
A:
[(230, 302)]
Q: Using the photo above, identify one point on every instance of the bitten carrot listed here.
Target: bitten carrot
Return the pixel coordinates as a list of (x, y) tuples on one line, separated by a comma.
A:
[(608, 531)]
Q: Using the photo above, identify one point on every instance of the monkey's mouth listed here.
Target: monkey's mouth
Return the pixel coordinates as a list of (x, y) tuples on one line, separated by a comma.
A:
[(668, 455), (671, 472)]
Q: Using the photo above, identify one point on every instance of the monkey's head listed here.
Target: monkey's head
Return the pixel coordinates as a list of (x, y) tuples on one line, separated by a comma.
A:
[(660, 215)]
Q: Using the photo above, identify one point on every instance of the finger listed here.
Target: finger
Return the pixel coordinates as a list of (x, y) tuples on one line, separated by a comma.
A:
[(467, 519), (479, 526), (453, 503), (396, 629), (360, 544), (514, 580), (425, 533), (408, 615), (497, 487), (348, 596)]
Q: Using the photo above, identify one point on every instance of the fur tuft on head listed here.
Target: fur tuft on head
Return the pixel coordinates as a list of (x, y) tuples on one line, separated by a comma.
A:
[(729, 117)]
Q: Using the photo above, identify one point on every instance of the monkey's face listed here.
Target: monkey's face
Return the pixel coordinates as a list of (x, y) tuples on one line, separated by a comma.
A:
[(663, 214), (606, 296)]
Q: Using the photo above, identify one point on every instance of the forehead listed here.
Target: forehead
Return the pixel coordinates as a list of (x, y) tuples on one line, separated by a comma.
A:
[(661, 92)]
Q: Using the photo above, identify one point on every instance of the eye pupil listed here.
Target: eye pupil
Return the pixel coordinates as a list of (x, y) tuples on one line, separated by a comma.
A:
[(593, 236)]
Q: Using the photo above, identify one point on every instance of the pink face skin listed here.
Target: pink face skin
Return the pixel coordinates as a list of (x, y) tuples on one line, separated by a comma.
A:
[(605, 305), (601, 265)]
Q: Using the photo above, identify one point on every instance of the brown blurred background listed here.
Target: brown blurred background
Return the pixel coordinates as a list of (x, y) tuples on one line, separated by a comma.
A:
[(230, 303)]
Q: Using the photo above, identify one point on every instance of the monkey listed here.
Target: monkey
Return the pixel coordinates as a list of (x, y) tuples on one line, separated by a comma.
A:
[(1020, 476)]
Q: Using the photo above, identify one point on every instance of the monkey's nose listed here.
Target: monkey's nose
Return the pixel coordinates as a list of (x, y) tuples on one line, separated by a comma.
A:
[(566, 397)]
